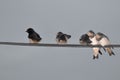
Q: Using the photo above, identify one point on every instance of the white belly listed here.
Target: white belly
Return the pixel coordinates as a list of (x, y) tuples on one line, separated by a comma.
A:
[(94, 41)]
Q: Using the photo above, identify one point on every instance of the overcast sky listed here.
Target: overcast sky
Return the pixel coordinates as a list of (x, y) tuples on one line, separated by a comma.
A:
[(47, 17)]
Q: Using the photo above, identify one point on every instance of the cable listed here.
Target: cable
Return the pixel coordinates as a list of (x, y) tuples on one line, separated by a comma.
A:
[(55, 45)]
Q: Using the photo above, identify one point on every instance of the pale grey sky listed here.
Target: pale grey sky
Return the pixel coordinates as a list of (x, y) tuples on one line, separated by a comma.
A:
[(47, 17)]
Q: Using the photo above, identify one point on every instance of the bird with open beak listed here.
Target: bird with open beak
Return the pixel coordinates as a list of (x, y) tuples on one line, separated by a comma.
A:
[(62, 38), (33, 36), (103, 41), (96, 50)]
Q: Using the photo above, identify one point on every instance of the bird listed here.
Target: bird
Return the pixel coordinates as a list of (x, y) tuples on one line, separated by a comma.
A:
[(96, 50), (103, 41), (33, 36), (84, 40), (62, 38)]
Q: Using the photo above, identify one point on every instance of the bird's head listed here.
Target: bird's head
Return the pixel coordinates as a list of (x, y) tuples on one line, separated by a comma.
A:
[(84, 39), (59, 33), (30, 30), (91, 33)]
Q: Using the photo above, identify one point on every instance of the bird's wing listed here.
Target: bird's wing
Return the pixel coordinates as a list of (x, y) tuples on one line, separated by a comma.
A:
[(35, 36), (104, 35), (68, 36)]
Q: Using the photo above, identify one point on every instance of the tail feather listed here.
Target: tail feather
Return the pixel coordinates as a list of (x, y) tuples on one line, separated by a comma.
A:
[(68, 36), (100, 52), (104, 49), (113, 53), (110, 52)]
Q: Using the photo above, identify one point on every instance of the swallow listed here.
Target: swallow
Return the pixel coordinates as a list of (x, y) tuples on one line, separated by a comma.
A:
[(96, 50), (33, 36), (103, 41), (84, 40), (62, 38)]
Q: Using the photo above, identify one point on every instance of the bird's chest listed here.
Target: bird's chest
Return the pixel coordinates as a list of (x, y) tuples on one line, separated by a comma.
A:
[(94, 41)]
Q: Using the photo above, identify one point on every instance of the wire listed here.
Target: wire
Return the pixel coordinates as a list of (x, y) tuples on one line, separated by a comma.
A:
[(55, 45)]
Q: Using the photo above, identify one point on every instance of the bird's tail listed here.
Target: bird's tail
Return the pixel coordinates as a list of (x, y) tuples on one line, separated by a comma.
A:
[(39, 39), (68, 36), (104, 49), (100, 52), (110, 51)]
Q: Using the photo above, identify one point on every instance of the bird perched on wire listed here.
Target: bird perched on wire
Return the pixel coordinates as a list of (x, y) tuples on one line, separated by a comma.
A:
[(62, 38), (103, 41), (33, 36), (96, 50), (84, 40)]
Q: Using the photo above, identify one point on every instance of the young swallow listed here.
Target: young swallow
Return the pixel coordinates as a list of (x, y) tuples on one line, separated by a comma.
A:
[(103, 41), (33, 36), (84, 40), (62, 38), (96, 50)]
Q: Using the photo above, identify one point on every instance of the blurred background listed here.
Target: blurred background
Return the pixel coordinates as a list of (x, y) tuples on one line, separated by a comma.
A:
[(47, 17)]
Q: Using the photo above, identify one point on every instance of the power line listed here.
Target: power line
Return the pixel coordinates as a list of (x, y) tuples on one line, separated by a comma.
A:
[(55, 45)]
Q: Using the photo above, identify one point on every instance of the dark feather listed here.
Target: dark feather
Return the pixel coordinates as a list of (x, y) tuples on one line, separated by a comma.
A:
[(100, 52), (102, 35), (68, 36), (62, 36), (34, 36), (85, 38)]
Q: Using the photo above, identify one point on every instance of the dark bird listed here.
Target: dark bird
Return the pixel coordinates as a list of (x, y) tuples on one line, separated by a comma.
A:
[(62, 38), (103, 41), (84, 40), (96, 50), (33, 36)]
